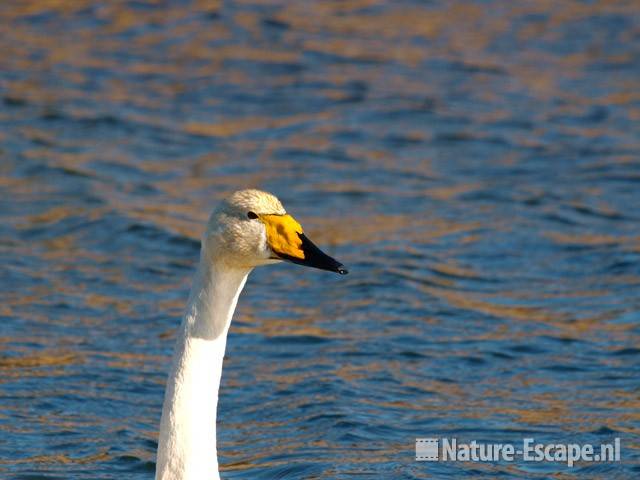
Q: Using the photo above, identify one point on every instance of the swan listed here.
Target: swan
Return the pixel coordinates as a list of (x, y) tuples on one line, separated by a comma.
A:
[(248, 229)]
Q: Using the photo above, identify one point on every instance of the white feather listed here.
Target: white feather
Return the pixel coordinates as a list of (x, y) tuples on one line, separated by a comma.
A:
[(232, 245)]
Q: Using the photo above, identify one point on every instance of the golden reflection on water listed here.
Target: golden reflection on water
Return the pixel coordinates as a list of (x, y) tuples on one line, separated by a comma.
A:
[(474, 163)]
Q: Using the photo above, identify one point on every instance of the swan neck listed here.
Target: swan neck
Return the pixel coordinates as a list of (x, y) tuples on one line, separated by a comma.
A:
[(213, 300), (187, 443)]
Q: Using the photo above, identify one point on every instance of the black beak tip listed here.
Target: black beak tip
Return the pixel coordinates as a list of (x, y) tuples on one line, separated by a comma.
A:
[(314, 257)]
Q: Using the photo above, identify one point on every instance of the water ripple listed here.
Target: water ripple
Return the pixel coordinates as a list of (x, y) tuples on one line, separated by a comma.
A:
[(474, 165)]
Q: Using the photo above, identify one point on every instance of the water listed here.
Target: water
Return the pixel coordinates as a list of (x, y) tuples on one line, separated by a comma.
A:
[(474, 164)]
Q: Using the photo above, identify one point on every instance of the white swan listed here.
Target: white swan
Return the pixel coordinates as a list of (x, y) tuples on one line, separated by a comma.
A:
[(250, 228)]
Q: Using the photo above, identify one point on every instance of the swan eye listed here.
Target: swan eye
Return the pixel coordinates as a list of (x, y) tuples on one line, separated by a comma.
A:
[(252, 215)]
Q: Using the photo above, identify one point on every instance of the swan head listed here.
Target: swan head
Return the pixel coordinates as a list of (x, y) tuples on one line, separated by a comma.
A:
[(251, 228)]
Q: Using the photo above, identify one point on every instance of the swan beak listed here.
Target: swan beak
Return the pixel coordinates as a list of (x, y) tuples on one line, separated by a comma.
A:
[(288, 242)]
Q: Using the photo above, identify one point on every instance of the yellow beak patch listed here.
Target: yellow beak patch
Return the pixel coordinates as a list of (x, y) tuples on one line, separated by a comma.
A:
[(282, 235)]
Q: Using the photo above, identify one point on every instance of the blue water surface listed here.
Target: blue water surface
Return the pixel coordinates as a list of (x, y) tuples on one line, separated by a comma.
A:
[(474, 164)]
